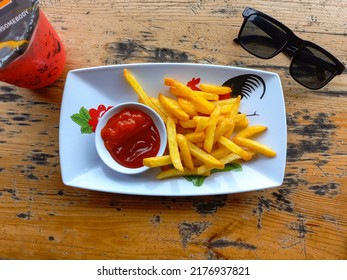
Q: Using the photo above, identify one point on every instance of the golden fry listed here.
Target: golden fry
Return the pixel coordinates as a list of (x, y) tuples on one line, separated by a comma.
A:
[(201, 123), (230, 158), (242, 123), (178, 92), (174, 83), (230, 132), (156, 102), (188, 124), (207, 95), (255, 146), (204, 156), (233, 147), (172, 143), (206, 168), (215, 89), (211, 129), (240, 120), (195, 137), (226, 109), (238, 117), (201, 104), (172, 172), (173, 107), (182, 130), (220, 152), (187, 107), (226, 159), (141, 93), (157, 161), (251, 131), (185, 152), (235, 108), (223, 127), (228, 101)]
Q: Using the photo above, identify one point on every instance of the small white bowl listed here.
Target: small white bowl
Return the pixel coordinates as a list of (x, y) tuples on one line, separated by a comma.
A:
[(99, 142)]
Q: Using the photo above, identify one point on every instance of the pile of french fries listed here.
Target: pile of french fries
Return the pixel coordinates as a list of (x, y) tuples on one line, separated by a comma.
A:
[(204, 132)]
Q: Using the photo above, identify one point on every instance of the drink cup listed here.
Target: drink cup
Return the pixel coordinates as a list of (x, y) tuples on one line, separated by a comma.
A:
[(42, 59)]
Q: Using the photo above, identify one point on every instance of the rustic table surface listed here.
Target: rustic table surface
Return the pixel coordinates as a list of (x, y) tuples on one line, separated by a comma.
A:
[(305, 218)]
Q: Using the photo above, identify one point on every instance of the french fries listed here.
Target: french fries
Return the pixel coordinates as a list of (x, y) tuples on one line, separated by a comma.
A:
[(234, 148), (204, 133), (221, 90), (141, 93), (186, 155), (187, 107), (251, 131), (211, 129), (157, 161), (172, 143), (204, 156), (201, 104), (173, 107), (255, 146)]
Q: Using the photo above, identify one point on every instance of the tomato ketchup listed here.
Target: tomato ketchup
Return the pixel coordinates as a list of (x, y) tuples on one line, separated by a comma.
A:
[(130, 136)]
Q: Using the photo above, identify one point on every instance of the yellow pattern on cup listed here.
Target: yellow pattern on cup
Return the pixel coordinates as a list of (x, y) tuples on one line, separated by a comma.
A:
[(13, 44)]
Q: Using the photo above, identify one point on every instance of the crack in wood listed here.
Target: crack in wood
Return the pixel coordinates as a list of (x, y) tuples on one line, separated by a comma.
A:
[(188, 230), (125, 52), (209, 207)]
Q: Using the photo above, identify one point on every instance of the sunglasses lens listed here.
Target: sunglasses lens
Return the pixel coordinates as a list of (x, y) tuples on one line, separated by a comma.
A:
[(261, 37), (312, 68)]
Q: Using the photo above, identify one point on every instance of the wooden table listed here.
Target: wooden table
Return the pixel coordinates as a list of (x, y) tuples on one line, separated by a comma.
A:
[(305, 218)]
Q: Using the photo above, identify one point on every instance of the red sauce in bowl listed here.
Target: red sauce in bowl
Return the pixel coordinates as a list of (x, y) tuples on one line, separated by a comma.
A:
[(130, 136)]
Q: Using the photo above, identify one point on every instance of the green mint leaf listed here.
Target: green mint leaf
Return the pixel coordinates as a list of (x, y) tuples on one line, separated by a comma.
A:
[(86, 129), (229, 167), (197, 180), (84, 114), (80, 120), (82, 117)]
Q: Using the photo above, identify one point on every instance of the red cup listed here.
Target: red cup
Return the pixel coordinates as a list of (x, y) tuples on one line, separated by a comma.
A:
[(42, 62)]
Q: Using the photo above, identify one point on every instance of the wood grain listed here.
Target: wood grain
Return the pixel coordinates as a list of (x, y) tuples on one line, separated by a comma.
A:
[(305, 218)]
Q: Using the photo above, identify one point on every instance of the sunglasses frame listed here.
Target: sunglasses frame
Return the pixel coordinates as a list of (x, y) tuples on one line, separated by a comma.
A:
[(292, 46)]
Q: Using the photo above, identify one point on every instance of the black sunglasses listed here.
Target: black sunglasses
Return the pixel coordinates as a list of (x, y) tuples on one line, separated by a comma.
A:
[(265, 37)]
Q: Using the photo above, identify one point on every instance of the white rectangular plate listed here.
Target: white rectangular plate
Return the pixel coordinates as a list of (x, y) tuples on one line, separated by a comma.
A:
[(88, 88)]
